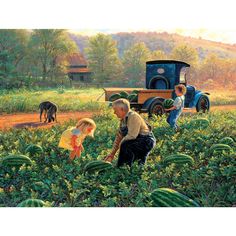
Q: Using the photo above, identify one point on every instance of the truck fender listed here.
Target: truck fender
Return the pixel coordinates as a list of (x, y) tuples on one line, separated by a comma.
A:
[(149, 102), (196, 98)]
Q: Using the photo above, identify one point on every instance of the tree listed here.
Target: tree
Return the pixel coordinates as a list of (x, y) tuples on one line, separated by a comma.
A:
[(185, 53), (158, 55), (103, 58), (13, 50), (134, 63), (47, 46)]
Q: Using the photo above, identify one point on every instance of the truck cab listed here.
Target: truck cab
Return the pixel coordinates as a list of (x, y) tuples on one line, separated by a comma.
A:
[(165, 74)]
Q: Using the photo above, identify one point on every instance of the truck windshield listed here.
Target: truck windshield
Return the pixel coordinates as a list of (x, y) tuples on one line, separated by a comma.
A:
[(182, 76)]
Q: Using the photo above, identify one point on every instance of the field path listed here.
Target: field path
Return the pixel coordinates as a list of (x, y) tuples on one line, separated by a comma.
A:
[(21, 120)]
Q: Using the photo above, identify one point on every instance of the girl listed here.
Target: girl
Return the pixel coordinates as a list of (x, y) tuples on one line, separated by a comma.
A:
[(73, 138)]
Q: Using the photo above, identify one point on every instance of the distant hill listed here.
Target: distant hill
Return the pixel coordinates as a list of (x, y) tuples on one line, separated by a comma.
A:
[(163, 41)]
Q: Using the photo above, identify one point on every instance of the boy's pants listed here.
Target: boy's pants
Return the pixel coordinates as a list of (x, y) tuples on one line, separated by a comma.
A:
[(173, 117)]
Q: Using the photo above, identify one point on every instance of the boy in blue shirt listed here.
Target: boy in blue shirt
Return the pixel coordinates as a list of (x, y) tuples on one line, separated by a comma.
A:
[(177, 108)]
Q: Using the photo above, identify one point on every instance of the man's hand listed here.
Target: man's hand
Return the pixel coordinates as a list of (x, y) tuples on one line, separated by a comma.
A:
[(109, 157)]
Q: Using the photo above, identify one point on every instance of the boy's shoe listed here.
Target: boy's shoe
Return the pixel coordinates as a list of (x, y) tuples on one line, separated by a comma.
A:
[(177, 129)]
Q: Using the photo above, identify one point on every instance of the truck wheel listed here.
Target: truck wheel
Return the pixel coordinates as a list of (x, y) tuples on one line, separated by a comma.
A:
[(203, 104), (156, 109)]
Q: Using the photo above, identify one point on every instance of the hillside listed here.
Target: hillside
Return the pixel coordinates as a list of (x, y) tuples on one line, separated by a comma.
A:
[(163, 41)]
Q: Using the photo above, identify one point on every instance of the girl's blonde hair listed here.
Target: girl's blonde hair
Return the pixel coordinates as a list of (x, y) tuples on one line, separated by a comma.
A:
[(85, 123)]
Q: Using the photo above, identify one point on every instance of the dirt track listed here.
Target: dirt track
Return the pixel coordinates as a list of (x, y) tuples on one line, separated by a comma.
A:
[(21, 120)]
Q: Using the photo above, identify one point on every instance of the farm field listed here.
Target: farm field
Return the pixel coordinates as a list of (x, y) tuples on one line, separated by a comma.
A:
[(209, 180)]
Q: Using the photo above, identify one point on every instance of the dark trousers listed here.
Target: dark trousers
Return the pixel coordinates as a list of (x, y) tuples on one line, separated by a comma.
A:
[(137, 149)]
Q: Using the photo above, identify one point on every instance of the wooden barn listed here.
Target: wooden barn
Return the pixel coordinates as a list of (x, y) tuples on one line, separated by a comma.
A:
[(78, 68)]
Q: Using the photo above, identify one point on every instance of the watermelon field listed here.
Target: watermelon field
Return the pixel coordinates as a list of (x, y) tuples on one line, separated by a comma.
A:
[(193, 167)]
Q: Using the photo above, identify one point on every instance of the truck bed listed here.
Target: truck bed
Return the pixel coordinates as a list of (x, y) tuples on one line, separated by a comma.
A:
[(143, 94)]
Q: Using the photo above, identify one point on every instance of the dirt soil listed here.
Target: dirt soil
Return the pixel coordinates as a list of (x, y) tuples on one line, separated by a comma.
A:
[(21, 120)]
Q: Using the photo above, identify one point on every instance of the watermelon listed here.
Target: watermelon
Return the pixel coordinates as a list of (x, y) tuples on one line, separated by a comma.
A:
[(32, 203), (227, 140), (15, 160), (97, 166), (124, 94), (135, 92), (133, 97), (166, 197), (168, 103), (220, 148), (178, 159), (114, 97), (200, 123), (33, 149)]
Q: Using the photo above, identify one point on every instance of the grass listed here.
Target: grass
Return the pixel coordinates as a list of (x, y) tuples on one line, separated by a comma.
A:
[(66, 99), (222, 97), (85, 99)]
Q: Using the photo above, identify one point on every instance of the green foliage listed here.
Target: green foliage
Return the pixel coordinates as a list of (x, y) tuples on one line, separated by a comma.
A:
[(200, 123), (48, 50), (134, 62), (103, 58)]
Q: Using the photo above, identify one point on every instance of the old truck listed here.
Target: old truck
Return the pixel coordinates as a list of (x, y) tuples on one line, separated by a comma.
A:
[(161, 78)]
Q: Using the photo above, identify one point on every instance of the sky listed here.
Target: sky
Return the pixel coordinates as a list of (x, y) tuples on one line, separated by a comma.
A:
[(214, 20)]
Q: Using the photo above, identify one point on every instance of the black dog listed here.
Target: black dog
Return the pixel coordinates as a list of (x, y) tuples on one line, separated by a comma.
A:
[(49, 109)]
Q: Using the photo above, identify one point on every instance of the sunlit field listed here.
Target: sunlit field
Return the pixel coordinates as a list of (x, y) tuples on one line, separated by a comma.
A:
[(83, 99), (67, 99)]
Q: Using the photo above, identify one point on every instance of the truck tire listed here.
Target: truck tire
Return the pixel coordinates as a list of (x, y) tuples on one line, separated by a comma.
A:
[(203, 104), (156, 108)]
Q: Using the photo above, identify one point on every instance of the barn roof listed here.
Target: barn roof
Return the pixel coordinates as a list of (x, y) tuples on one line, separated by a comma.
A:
[(78, 70), (75, 59)]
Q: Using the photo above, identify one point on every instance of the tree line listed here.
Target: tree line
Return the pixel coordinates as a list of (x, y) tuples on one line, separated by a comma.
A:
[(38, 57)]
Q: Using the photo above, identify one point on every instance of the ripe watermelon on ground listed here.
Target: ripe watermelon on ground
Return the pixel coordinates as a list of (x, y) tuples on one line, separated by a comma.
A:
[(32, 203), (166, 197), (178, 159), (97, 166), (15, 160), (220, 148), (33, 149), (227, 140), (168, 103)]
